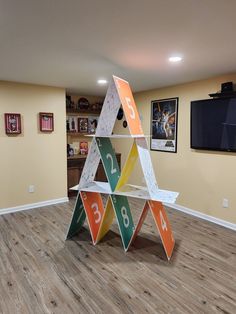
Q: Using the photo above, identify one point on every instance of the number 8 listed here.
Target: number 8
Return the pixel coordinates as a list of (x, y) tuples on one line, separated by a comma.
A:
[(125, 216)]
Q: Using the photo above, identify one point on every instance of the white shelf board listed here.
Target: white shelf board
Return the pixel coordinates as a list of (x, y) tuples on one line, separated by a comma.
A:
[(129, 190), (118, 136), (142, 192), (94, 186)]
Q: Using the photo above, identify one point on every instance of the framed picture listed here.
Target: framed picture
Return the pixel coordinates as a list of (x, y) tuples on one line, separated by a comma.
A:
[(92, 124), (71, 124), (13, 123), (83, 125), (46, 122), (164, 117)]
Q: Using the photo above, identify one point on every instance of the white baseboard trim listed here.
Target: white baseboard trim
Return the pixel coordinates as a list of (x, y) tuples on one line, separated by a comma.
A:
[(200, 215), (9, 210)]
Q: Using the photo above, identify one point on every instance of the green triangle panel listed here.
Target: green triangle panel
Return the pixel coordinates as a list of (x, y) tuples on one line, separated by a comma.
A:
[(109, 161), (124, 218), (78, 218)]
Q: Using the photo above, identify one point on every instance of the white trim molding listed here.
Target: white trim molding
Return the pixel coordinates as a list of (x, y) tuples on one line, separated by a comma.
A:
[(9, 210), (200, 215)]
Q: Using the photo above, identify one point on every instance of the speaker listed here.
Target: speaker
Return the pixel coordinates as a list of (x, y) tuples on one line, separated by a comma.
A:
[(227, 87)]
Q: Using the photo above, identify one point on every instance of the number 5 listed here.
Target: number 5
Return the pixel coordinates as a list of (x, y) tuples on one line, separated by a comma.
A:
[(132, 113)]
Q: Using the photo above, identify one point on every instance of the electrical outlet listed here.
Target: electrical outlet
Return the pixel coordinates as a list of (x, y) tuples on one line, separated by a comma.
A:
[(225, 203), (31, 189)]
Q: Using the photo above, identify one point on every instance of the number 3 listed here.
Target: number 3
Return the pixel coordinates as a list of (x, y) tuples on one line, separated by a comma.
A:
[(96, 212)]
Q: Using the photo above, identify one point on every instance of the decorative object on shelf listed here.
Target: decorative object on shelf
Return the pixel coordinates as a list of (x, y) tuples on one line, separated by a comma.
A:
[(83, 147), (89, 202), (92, 124), (71, 124), (75, 147), (83, 103), (93, 107), (124, 124), (99, 106), (228, 89), (46, 122), (164, 117), (70, 151), (68, 102), (12, 123), (83, 125), (67, 125)]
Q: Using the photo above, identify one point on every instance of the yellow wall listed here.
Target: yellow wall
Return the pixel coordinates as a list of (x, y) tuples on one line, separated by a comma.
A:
[(203, 178), (32, 157)]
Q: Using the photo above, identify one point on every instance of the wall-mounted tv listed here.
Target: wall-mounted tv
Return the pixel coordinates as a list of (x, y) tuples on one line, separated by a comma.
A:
[(213, 124)]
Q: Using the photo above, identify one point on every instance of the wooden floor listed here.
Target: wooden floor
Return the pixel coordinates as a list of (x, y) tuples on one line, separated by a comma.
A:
[(41, 273)]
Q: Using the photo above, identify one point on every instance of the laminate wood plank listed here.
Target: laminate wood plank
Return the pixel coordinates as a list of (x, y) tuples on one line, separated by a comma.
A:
[(43, 273)]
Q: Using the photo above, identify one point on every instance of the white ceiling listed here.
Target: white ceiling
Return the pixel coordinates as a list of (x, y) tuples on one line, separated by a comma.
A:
[(73, 43)]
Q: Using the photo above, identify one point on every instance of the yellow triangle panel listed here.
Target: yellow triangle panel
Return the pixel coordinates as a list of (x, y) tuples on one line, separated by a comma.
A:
[(128, 167), (106, 220)]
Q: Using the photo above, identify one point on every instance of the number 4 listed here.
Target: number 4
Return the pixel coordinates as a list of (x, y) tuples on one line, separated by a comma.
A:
[(163, 222)]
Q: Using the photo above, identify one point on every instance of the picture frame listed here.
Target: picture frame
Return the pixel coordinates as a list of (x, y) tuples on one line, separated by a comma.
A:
[(71, 124), (83, 125), (92, 124), (164, 125), (12, 123), (46, 122)]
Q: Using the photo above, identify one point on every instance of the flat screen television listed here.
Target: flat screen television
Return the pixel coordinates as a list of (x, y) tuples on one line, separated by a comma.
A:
[(213, 124)]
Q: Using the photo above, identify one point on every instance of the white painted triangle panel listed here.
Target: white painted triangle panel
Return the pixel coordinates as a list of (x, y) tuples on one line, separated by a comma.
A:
[(146, 164), (97, 186), (91, 165), (141, 192), (109, 112), (166, 196)]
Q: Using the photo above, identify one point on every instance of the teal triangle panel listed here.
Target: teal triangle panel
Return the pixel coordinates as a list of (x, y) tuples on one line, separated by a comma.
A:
[(78, 218), (124, 218), (109, 161)]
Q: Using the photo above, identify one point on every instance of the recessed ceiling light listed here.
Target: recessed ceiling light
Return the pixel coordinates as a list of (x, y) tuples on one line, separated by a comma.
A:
[(102, 82), (175, 59)]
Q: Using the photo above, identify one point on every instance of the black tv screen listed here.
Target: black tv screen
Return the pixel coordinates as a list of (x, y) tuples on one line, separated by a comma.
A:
[(213, 124)]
